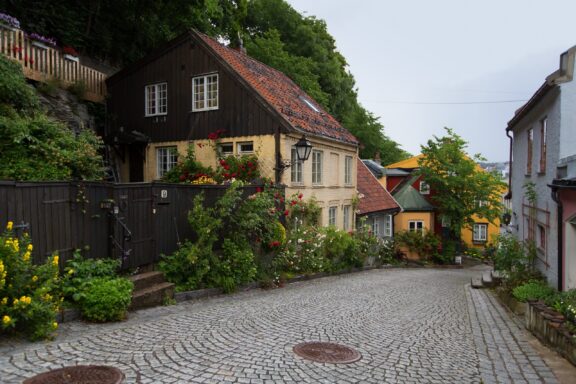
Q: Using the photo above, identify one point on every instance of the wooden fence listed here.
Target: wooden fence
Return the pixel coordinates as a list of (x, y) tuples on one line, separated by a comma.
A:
[(97, 217), (41, 63)]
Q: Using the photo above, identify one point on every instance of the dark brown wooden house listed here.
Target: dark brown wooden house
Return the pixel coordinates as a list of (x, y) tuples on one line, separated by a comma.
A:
[(194, 86)]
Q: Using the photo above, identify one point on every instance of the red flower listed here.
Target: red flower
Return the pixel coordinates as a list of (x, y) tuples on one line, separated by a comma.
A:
[(222, 162), (274, 244), (286, 213), (293, 202), (212, 136), (69, 51), (300, 196), (227, 175), (182, 177), (234, 174), (227, 167), (258, 189)]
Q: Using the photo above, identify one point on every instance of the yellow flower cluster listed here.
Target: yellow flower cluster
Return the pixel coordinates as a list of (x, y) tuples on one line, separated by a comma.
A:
[(34, 278), (204, 180), (14, 243), (6, 320), (55, 260), (24, 300), (9, 226), (2, 274), (4, 301)]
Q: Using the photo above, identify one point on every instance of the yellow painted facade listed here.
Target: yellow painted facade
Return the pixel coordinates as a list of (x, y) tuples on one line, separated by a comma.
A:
[(331, 191), (402, 220)]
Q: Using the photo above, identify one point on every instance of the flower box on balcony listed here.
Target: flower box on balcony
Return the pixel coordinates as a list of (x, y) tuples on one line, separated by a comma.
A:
[(39, 44)]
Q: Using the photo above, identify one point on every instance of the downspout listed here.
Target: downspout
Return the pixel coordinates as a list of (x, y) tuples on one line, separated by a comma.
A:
[(509, 194), (559, 213), (277, 156)]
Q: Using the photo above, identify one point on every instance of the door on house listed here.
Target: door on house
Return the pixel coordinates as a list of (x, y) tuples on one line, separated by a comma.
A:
[(570, 254), (136, 163)]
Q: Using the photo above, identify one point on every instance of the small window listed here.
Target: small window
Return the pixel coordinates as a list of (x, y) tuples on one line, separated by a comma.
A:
[(376, 226), (156, 96), (348, 170), (529, 143), (346, 217), (205, 92), (296, 168), (416, 226), (424, 188), (480, 232), (247, 147), (543, 133), (541, 238), (166, 159), (317, 167), (388, 226), (309, 104), (332, 215), (226, 149)]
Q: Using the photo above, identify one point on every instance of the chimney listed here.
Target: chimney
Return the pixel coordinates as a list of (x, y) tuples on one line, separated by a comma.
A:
[(241, 47), (377, 157)]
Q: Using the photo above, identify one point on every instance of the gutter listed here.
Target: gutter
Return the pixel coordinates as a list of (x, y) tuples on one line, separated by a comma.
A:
[(559, 213), (509, 194)]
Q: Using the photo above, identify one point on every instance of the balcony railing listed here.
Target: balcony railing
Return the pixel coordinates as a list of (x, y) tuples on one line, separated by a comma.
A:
[(41, 63)]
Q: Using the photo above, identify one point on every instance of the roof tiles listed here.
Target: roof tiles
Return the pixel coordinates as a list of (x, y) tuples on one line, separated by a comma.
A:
[(376, 197), (282, 94)]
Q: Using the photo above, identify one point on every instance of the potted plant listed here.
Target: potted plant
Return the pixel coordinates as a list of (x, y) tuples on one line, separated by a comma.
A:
[(70, 53), (42, 41), (9, 22)]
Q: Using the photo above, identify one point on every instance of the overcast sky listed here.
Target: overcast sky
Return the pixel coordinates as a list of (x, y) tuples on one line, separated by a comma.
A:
[(407, 53)]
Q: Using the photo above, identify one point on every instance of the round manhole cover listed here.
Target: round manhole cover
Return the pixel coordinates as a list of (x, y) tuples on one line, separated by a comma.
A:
[(327, 352), (79, 374)]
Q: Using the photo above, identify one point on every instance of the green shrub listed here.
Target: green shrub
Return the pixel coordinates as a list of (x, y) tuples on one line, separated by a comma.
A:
[(341, 249), (29, 294), (533, 290), (187, 267), (234, 266), (106, 299), (78, 271), (425, 244)]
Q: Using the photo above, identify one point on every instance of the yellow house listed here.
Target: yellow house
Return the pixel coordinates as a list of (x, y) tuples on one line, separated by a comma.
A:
[(196, 91), (415, 194)]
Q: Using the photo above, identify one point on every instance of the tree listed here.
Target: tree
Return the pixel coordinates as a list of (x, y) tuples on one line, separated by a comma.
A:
[(461, 188)]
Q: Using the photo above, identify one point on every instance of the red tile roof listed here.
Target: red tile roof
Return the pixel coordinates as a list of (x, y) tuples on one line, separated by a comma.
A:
[(376, 197), (282, 94)]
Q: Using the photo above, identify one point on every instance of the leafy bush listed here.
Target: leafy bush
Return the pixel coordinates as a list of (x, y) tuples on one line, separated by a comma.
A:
[(341, 249), (78, 271), (235, 266), (303, 252), (426, 244), (533, 290), (188, 169), (563, 302), (244, 168), (106, 299), (29, 296)]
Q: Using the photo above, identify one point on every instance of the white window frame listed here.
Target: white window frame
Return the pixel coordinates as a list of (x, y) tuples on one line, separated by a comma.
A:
[(375, 227), (317, 164), (416, 226), (424, 188), (388, 226), (296, 168), (242, 151), (166, 158), (346, 217), (160, 102), (480, 232), (205, 95), (332, 215), (348, 170), (225, 153)]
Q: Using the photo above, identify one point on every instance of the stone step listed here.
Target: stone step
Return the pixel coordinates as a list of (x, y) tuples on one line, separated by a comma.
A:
[(477, 283), (147, 279), (152, 296), (487, 279)]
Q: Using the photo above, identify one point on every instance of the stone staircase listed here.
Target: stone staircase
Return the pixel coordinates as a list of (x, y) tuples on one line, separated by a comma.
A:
[(489, 279), (150, 290)]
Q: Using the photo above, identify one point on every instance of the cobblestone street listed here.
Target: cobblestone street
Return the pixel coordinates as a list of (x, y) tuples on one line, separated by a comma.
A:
[(410, 325)]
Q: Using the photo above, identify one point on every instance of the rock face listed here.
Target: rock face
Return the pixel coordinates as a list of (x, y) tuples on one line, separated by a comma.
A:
[(64, 106)]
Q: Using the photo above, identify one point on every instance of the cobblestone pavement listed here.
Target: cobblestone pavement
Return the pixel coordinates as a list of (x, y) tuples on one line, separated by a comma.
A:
[(410, 325)]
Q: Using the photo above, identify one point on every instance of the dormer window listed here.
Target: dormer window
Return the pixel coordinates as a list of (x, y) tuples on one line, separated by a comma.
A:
[(309, 104), (205, 92), (424, 188), (156, 96)]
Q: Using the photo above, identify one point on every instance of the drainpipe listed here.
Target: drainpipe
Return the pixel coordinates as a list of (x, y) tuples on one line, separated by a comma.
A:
[(559, 213), (509, 194), (277, 156)]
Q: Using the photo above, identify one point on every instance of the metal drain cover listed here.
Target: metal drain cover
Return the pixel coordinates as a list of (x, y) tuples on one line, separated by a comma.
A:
[(79, 374), (327, 353)]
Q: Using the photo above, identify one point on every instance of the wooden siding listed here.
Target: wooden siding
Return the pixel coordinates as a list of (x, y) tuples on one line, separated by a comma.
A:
[(239, 112)]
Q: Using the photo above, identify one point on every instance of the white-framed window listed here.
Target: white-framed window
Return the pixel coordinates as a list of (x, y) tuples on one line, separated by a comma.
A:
[(332, 215), (376, 226), (205, 92), (424, 188), (480, 232), (416, 226), (166, 158), (346, 217), (226, 149), (317, 157), (156, 99), (246, 147), (296, 168), (348, 170), (387, 226)]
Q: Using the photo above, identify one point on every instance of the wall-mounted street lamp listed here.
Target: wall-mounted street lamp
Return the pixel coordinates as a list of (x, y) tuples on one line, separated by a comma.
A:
[(303, 150)]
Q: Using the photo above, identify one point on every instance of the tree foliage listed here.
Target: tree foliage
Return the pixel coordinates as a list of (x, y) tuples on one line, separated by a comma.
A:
[(33, 147), (461, 188), (122, 31)]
